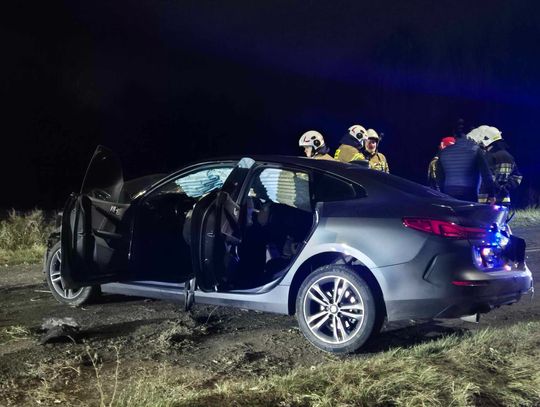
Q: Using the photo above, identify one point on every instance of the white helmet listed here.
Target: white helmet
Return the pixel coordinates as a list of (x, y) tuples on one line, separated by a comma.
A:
[(358, 132), (311, 138), (484, 135)]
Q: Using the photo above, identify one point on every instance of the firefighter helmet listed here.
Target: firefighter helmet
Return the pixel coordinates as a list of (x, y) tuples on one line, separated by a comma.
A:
[(485, 135), (358, 132), (312, 139), (372, 134), (447, 141)]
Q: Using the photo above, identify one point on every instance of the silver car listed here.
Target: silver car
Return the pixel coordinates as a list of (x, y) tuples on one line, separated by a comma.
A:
[(342, 247)]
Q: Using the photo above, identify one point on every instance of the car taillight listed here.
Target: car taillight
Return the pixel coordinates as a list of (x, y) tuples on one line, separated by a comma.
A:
[(445, 229)]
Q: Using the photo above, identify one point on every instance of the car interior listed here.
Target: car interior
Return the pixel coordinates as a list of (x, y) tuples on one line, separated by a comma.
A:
[(278, 218), (163, 221)]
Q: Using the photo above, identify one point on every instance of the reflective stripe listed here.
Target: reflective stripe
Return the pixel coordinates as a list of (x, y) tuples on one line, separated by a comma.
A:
[(336, 154)]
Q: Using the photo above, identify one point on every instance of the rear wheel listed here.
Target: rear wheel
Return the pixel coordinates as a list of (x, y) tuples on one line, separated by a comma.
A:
[(54, 281), (336, 309)]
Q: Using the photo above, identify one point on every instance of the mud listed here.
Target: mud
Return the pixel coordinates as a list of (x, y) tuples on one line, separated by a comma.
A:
[(218, 343)]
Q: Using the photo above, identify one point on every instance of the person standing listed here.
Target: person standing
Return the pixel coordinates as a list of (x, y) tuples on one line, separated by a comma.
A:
[(432, 176), (314, 146), (501, 163), (351, 144), (377, 161), (460, 168)]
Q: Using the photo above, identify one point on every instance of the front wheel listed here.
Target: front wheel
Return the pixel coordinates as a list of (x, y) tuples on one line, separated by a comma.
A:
[(64, 295), (336, 310)]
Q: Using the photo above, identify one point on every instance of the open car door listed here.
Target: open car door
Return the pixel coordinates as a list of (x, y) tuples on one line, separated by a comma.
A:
[(216, 231), (95, 232)]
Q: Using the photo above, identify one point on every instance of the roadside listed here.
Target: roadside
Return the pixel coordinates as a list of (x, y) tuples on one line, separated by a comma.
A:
[(201, 349)]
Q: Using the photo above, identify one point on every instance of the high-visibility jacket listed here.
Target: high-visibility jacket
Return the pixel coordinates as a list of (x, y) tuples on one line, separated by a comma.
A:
[(432, 173), (377, 161), (505, 174), (324, 156), (349, 149)]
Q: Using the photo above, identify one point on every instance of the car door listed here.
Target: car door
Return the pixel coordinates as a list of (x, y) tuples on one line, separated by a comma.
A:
[(95, 232), (216, 230), (160, 241)]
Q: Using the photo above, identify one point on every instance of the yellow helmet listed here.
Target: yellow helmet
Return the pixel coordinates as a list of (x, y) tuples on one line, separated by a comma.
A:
[(372, 134)]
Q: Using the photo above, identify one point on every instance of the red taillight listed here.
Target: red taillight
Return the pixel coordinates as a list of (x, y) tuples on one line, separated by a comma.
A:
[(471, 283), (444, 228)]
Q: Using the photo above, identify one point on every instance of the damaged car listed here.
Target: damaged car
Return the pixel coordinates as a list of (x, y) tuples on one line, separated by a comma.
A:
[(343, 247)]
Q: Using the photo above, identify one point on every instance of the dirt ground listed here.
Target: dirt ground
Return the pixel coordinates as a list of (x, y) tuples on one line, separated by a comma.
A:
[(146, 334)]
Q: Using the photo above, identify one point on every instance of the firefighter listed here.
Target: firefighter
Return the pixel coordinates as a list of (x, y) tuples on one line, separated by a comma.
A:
[(351, 144), (501, 163), (432, 176), (377, 161), (314, 146)]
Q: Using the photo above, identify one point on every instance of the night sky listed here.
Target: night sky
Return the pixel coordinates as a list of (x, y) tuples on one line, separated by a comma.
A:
[(164, 83)]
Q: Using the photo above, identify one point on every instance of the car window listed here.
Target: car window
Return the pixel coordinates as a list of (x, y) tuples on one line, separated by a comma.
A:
[(104, 178), (328, 188), (282, 186), (197, 183)]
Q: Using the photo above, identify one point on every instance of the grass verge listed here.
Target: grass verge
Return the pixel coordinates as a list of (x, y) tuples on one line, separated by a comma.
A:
[(526, 217), (23, 237), (493, 367)]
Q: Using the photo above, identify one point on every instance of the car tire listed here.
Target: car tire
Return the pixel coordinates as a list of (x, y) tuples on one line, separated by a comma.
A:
[(75, 298), (336, 320)]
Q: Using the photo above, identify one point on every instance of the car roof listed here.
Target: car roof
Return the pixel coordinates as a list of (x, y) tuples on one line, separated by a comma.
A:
[(359, 173), (334, 166)]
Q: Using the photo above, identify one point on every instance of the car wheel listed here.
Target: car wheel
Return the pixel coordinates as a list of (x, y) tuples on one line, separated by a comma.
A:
[(336, 310), (65, 295)]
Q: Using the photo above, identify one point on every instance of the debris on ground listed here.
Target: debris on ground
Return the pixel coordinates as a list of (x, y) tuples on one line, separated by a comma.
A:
[(59, 330)]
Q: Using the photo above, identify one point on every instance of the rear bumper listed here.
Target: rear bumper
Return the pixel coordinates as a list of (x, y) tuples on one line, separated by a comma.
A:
[(444, 293)]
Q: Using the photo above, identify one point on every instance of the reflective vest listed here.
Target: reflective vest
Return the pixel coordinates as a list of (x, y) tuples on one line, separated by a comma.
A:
[(347, 153)]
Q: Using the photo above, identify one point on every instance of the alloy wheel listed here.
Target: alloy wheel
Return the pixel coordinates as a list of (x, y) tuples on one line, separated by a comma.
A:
[(333, 309), (56, 278)]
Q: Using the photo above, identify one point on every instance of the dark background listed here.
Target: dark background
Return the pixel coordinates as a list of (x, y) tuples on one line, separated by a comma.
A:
[(164, 83)]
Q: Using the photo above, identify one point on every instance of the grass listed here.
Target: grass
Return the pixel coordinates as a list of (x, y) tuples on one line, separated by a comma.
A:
[(493, 367), (13, 333), (23, 237), (526, 217)]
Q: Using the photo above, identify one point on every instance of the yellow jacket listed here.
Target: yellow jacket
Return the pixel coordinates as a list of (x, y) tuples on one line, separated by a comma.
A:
[(323, 157), (377, 161), (347, 153)]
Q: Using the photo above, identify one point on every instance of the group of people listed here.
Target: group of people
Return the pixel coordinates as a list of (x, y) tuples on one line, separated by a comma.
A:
[(357, 144), (473, 167)]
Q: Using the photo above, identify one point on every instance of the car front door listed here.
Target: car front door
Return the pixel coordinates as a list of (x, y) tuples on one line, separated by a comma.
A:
[(96, 226), (160, 242)]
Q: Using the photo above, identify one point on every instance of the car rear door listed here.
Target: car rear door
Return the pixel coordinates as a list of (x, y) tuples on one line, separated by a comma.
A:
[(216, 230), (96, 227)]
